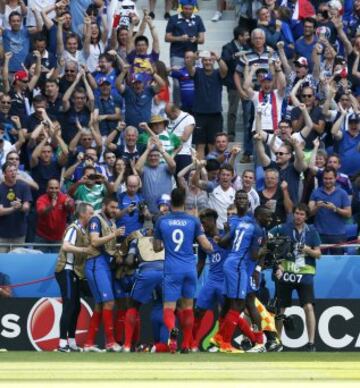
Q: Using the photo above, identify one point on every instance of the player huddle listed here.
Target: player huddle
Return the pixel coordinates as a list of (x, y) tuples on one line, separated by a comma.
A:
[(160, 266)]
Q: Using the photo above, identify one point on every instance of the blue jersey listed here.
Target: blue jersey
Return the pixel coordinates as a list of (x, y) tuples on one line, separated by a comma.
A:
[(95, 227), (216, 260), (177, 231), (242, 230)]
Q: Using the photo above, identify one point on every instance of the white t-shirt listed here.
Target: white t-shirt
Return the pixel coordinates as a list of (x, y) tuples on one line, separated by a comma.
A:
[(92, 61), (220, 200), (266, 117), (177, 127), (38, 4)]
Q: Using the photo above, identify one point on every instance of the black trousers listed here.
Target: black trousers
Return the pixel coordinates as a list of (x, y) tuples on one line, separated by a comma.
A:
[(69, 284)]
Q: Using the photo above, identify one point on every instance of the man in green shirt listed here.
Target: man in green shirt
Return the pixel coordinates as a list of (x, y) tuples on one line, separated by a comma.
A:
[(158, 128), (91, 188)]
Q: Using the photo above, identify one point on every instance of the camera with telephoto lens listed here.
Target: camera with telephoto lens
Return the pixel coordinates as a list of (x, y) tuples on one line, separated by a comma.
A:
[(281, 248), (141, 207)]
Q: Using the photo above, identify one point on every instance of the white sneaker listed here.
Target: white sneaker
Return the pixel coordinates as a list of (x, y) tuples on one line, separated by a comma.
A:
[(93, 349), (114, 348), (217, 16), (126, 350), (258, 348)]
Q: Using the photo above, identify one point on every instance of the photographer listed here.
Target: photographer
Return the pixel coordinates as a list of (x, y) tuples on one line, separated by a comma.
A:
[(297, 271), (91, 188), (131, 206)]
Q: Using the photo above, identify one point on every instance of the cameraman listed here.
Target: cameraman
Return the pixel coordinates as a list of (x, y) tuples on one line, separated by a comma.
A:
[(131, 206), (297, 271)]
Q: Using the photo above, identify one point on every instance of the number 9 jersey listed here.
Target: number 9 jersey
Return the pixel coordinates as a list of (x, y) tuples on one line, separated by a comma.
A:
[(178, 231)]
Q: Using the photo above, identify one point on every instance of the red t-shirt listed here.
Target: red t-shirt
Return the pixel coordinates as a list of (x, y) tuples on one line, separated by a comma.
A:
[(51, 225)]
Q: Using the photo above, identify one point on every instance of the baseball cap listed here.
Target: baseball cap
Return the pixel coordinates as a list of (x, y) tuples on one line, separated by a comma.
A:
[(103, 80), (164, 200), (267, 77), (302, 61), (354, 118), (20, 75)]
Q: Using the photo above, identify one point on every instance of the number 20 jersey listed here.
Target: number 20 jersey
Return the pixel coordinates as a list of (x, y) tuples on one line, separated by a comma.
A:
[(177, 231)]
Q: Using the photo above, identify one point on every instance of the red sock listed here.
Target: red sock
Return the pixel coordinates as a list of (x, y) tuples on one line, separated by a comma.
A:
[(169, 318), (136, 335), (93, 328), (108, 326), (187, 327), (119, 326), (228, 327), (161, 348), (130, 322), (196, 328), (247, 331)]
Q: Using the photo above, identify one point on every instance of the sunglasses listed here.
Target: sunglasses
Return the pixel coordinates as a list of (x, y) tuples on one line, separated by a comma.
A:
[(281, 153), (307, 95)]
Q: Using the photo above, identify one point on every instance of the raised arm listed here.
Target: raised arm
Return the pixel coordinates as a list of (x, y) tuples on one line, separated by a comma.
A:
[(280, 78), (59, 38), (294, 92), (260, 151), (36, 76), (335, 130), (168, 159), (142, 160), (223, 69), (181, 174), (89, 93), (34, 161), (312, 161), (5, 71), (154, 35), (287, 68), (342, 36), (299, 160), (119, 83), (70, 91), (87, 35), (248, 77)]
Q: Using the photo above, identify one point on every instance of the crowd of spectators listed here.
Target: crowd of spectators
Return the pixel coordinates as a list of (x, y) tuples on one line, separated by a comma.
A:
[(86, 110)]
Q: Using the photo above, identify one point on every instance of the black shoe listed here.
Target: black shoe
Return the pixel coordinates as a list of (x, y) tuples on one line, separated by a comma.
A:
[(152, 15), (246, 344), (185, 351), (64, 349), (274, 346), (310, 347), (167, 15), (172, 343)]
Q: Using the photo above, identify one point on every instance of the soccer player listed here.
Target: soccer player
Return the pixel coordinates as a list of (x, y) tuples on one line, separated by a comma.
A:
[(176, 232), (211, 294), (241, 237), (147, 278), (258, 313), (103, 235), (68, 272)]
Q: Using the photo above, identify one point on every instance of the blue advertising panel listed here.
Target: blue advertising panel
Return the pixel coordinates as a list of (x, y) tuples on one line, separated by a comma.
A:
[(337, 277)]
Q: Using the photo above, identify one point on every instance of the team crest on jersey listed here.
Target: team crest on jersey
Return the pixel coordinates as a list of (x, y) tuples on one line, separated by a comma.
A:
[(93, 225)]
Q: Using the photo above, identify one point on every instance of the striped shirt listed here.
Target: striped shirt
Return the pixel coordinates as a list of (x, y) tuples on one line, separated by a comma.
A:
[(254, 57), (70, 237)]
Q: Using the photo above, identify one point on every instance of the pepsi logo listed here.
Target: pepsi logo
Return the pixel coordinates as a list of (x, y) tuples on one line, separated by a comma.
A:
[(43, 324)]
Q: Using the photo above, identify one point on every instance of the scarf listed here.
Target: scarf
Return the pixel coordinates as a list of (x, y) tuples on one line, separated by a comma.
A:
[(273, 103)]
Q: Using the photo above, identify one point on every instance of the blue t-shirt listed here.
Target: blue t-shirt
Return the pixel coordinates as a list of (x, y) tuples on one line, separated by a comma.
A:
[(327, 221), (242, 231), (107, 107), (95, 227), (177, 231), (18, 42), (129, 220), (187, 87), (138, 107), (304, 49), (348, 150), (109, 77), (208, 89), (178, 26), (14, 224)]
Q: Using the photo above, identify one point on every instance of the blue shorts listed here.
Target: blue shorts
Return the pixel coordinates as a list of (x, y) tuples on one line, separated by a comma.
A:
[(99, 277), (210, 295), (123, 286), (145, 283), (250, 270), (179, 285), (236, 280)]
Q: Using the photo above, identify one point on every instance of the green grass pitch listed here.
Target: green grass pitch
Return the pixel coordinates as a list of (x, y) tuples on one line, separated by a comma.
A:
[(200, 369)]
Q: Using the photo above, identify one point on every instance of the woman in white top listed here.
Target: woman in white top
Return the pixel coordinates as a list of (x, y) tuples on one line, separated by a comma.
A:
[(8, 6), (94, 43)]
